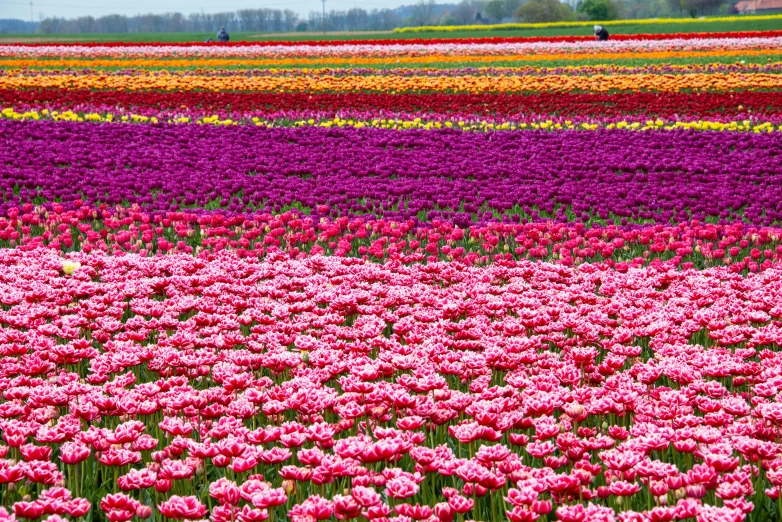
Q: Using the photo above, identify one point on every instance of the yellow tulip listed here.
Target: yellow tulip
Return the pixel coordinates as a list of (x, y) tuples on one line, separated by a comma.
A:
[(69, 267)]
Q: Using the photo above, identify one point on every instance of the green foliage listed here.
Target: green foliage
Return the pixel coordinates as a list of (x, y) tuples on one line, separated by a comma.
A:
[(496, 10), (699, 7), (650, 9), (599, 9), (537, 11)]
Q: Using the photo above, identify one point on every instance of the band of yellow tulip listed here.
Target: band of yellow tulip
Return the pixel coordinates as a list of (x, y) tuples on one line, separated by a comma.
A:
[(400, 123)]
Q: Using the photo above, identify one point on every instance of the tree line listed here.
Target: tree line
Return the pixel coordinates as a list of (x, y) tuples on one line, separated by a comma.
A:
[(425, 12), (244, 20)]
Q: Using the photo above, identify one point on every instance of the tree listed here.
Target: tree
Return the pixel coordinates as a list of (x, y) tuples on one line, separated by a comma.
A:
[(86, 24), (52, 25), (463, 13), (650, 9), (496, 10), (315, 21), (290, 19), (276, 19), (246, 19), (335, 20), (357, 19), (260, 20), (14, 25), (175, 23), (693, 7), (537, 11), (511, 6), (382, 19), (478, 5), (599, 9), (113, 24), (423, 13), (675, 6)]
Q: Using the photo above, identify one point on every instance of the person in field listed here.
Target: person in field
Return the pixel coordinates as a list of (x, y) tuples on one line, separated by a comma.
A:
[(223, 36), (601, 33)]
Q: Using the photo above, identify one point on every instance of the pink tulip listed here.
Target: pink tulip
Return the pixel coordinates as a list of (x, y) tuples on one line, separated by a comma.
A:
[(177, 507)]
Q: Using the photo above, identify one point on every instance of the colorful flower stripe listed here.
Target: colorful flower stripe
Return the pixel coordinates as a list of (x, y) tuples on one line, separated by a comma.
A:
[(142, 80), (441, 174), (397, 121), (398, 61), (735, 67), (128, 230), (358, 50), (594, 106)]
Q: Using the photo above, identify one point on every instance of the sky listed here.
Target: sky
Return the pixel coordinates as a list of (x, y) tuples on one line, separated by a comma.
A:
[(73, 8)]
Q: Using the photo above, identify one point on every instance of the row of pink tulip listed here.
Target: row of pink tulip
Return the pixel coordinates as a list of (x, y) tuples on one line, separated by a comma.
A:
[(326, 388)]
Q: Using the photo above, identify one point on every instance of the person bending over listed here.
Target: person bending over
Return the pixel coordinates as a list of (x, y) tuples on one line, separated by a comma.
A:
[(601, 33)]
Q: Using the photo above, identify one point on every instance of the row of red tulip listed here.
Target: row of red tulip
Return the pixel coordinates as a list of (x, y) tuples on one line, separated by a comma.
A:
[(133, 231), (600, 106)]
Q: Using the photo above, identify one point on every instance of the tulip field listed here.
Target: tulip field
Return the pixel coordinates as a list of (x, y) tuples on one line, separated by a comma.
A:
[(402, 280)]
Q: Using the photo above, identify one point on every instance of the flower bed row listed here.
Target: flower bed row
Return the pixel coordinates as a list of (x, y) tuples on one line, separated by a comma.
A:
[(566, 105), (569, 176), (128, 230), (402, 68), (420, 59), (65, 47), (584, 46), (244, 391), (331, 82), (392, 121)]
